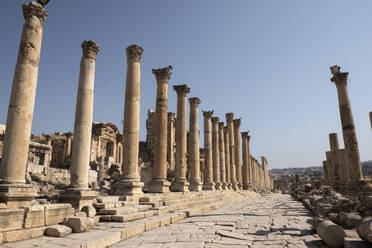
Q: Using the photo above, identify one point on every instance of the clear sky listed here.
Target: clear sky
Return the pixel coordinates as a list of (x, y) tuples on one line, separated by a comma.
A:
[(265, 60)]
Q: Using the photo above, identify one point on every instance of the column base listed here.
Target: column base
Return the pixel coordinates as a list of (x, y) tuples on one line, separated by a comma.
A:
[(240, 186), (78, 198), (17, 195), (129, 187), (208, 186), (228, 186), (224, 186), (159, 186), (218, 186), (195, 185), (234, 186), (180, 185), (246, 187)]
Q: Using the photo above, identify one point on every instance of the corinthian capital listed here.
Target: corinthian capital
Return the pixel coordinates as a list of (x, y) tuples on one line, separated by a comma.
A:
[(208, 114), (244, 134), (339, 78), (229, 117), (221, 125), (163, 74), (181, 89), (237, 122), (90, 49), (32, 10), (194, 101), (215, 119), (134, 53)]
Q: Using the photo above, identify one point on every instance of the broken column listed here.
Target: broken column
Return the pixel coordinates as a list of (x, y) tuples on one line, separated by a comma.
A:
[(216, 153), (221, 143), (347, 121), (339, 163), (130, 183), (159, 183), (13, 188), (325, 173), (78, 193), (246, 160), (238, 166), (208, 160), (194, 159), (230, 125), (227, 156), (180, 183)]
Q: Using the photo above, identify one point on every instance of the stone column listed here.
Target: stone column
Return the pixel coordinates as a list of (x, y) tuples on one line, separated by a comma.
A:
[(180, 183), (159, 183), (216, 153), (325, 173), (13, 188), (79, 194), (130, 183), (208, 160), (335, 160), (194, 159), (238, 165), (245, 169), (171, 141), (330, 167), (221, 144), (68, 147), (347, 121), (227, 156), (230, 125)]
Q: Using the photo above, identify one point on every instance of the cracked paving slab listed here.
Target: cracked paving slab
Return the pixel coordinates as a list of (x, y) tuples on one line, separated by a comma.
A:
[(274, 220)]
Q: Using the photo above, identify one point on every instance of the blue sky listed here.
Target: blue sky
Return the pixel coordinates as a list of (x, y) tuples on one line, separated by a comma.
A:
[(265, 60)]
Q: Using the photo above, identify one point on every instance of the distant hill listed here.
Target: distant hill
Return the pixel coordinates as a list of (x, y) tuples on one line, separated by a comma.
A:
[(314, 171)]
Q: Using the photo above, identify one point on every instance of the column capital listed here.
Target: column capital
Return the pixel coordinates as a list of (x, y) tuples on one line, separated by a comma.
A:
[(69, 134), (34, 9), (237, 122), (339, 78), (244, 134), (162, 74), (226, 129), (194, 101), (229, 117), (90, 49), (221, 125), (134, 53), (208, 114), (181, 89), (171, 116), (215, 119)]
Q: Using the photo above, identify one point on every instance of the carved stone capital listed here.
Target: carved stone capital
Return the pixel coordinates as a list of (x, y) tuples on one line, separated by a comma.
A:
[(33, 9), (221, 125), (229, 117), (194, 101), (237, 122), (163, 74), (339, 78), (226, 129), (90, 49), (181, 89), (208, 114), (215, 119), (134, 53), (244, 134)]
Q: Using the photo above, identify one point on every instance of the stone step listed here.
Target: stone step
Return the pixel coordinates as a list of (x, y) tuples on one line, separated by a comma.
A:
[(108, 199), (124, 210)]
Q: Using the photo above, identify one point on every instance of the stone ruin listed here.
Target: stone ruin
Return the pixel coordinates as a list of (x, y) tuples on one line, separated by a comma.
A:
[(55, 184)]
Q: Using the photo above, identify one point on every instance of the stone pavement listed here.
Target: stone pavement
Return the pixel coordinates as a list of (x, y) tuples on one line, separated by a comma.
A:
[(274, 220)]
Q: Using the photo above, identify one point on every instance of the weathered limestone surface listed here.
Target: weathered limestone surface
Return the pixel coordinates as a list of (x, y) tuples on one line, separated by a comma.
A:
[(230, 126), (194, 159), (216, 153), (208, 183), (221, 141), (347, 121), (180, 183), (13, 189), (159, 183), (227, 156), (239, 178), (246, 160), (271, 221)]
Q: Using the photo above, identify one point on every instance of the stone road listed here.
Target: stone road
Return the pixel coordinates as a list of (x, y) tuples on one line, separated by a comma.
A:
[(271, 221)]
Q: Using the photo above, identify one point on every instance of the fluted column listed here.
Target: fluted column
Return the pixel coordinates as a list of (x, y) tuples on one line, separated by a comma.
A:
[(79, 193), (245, 169), (13, 189), (130, 184), (221, 146), (194, 159), (180, 183), (227, 156), (230, 125), (216, 153), (208, 160), (159, 183), (347, 121), (238, 165)]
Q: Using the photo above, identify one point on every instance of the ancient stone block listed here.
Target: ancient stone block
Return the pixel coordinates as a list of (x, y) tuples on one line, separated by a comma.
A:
[(79, 224), (23, 234), (56, 213), (89, 210), (364, 229), (11, 219), (332, 234), (58, 231), (34, 216)]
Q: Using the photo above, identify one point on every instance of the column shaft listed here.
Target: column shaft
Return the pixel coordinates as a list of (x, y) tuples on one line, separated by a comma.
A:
[(216, 153), (230, 125), (227, 156), (208, 160), (238, 164), (245, 169), (221, 142)]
